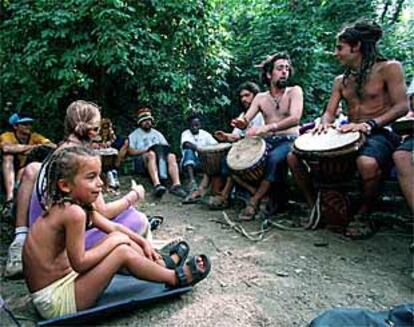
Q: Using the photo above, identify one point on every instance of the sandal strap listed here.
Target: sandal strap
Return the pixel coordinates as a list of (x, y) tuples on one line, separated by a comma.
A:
[(182, 278), (181, 249), (169, 263)]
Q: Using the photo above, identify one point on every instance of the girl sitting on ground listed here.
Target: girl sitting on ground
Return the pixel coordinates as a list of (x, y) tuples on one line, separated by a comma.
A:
[(61, 275), (82, 123)]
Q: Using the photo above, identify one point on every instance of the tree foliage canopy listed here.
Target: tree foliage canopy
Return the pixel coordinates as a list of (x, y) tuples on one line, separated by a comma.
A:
[(178, 56)]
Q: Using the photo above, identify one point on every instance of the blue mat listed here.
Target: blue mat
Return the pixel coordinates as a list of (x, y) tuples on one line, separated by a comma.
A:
[(123, 293)]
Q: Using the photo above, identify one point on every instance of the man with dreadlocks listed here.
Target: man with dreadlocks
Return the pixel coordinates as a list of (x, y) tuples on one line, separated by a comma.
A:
[(374, 90)]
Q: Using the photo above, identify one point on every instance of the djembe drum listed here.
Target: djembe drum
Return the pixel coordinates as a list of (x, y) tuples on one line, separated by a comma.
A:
[(161, 151), (403, 126), (211, 157), (331, 160), (247, 158)]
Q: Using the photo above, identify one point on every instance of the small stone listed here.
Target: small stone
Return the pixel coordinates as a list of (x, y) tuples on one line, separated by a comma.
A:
[(282, 274)]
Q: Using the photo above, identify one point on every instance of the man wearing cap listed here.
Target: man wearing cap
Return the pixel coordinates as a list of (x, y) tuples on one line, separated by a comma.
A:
[(15, 146), (143, 143)]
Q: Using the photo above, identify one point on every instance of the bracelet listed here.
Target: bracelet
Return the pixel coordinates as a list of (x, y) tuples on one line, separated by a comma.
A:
[(136, 192), (129, 203), (372, 123)]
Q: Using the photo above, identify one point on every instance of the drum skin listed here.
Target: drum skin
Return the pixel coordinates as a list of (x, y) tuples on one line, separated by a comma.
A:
[(247, 159), (211, 157), (330, 166)]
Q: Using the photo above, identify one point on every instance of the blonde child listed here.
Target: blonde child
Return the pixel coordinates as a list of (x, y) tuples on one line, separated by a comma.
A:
[(61, 275), (82, 124)]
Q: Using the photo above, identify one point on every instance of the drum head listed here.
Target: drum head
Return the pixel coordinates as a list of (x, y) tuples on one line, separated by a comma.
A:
[(331, 140), (107, 151), (403, 126), (246, 153), (214, 147)]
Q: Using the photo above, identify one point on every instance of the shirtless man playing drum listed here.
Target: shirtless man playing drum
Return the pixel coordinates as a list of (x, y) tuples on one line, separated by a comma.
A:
[(374, 90), (282, 108)]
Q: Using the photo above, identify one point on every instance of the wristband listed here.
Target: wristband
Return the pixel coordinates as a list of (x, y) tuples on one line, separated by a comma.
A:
[(373, 124)]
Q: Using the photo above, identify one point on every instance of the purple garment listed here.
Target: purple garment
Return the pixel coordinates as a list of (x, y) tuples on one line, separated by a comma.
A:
[(130, 218)]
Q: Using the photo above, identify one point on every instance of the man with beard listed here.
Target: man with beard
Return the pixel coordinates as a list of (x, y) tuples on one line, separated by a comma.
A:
[(282, 108), (247, 91), (374, 90), (15, 146), (141, 144)]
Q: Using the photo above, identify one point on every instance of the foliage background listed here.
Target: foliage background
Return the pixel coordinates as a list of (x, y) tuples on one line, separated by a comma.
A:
[(177, 56)]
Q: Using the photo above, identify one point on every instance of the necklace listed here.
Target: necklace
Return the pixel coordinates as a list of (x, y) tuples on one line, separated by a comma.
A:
[(277, 99)]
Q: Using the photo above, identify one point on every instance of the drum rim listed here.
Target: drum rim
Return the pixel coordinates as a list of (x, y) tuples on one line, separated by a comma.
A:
[(359, 134), (339, 151), (205, 149), (262, 152)]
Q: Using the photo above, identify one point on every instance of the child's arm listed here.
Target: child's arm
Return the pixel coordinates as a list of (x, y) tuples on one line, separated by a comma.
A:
[(74, 229), (108, 226)]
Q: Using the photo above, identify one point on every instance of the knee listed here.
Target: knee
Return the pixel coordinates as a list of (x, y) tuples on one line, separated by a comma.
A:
[(292, 160), (172, 158), (368, 168), (401, 157), (30, 172), (150, 156)]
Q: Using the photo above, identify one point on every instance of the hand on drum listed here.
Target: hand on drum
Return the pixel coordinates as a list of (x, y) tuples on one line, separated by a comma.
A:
[(258, 131), (354, 127), (239, 123), (220, 135), (139, 189), (322, 127)]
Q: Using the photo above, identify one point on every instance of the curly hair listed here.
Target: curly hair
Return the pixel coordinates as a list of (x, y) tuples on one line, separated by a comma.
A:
[(268, 65), (367, 34), (79, 117), (63, 164)]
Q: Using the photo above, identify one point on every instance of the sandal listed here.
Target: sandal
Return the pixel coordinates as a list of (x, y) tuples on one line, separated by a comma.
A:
[(159, 190), (181, 249), (361, 230), (194, 197), (196, 273), (155, 222), (248, 213)]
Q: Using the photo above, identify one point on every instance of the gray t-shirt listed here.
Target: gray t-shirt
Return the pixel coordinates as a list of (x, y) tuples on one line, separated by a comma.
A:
[(141, 140)]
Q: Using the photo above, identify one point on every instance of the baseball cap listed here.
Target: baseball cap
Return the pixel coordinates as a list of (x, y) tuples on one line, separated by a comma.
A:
[(16, 119)]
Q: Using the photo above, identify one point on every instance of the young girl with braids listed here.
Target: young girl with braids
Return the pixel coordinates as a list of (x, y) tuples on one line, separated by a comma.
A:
[(62, 276), (82, 123)]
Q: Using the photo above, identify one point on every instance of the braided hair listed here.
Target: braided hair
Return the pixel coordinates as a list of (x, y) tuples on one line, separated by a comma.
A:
[(367, 34), (79, 117), (63, 164)]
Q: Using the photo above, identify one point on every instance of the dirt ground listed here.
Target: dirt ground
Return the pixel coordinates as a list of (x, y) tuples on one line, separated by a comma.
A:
[(286, 279)]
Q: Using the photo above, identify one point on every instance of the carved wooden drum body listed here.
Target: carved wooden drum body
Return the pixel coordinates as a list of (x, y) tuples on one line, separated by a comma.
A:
[(211, 157), (330, 156)]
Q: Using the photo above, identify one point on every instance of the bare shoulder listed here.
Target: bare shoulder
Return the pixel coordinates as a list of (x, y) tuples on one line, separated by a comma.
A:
[(295, 90), (73, 213), (262, 95), (390, 67)]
